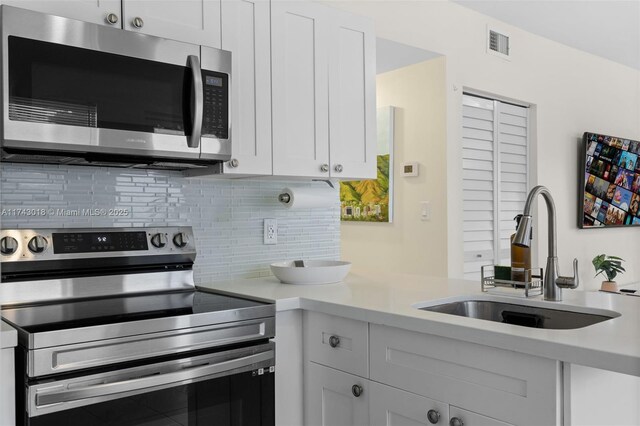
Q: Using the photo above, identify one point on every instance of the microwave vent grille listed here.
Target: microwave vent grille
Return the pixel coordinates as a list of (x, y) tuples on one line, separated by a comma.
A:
[(41, 111)]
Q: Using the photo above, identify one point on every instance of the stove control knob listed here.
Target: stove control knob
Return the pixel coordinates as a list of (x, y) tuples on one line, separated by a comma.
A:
[(159, 240), (8, 245), (37, 244), (180, 239)]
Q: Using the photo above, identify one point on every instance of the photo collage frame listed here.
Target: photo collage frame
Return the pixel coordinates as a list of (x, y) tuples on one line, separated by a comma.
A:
[(611, 185)]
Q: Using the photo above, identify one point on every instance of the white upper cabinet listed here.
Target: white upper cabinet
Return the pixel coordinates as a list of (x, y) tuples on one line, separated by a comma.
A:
[(300, 47), (246, 33), (95, 11), (323, 63), (191, 21), (352, 97)]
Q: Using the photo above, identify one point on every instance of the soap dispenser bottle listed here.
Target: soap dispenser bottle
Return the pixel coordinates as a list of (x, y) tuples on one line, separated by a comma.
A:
[(520, 258)]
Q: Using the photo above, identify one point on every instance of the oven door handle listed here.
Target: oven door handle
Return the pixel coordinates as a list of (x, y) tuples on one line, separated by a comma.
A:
[(188, 374), (197, 102)]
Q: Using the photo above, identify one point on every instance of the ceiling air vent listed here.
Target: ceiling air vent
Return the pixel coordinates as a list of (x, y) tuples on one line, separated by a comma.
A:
[(498, 43)]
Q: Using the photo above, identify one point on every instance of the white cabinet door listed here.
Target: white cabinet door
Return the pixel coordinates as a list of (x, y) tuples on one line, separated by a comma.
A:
[(7, 387), (299, 43), (246, 33), (191, 21), (330, 399), (95, 11), (394, 407), (352, 97), (467, 418)]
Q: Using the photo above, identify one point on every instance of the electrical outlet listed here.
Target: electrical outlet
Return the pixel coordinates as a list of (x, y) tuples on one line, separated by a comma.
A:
[(271, 231)]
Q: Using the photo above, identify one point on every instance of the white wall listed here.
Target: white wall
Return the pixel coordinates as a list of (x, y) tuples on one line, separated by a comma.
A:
[(572, 92), (409, 244)]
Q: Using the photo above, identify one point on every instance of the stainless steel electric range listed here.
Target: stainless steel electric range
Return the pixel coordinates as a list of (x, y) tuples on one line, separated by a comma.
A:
[(112, 331)]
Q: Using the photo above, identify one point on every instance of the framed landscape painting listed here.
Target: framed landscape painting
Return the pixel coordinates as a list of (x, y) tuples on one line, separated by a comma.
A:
[(371, 200)]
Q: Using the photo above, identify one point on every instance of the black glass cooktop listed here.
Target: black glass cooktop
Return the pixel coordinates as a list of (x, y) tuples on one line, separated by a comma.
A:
[(86, 313)]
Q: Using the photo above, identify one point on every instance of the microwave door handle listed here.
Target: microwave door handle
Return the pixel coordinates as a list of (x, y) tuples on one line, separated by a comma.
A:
[(197, 102), (148, 384)]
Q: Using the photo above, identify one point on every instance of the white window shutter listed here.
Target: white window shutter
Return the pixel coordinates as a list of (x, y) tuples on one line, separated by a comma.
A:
[(513, 166), (495, 179), (478, 170)]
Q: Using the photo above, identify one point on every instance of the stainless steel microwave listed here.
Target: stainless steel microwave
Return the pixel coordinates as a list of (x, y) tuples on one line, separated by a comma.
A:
[(81, 93)]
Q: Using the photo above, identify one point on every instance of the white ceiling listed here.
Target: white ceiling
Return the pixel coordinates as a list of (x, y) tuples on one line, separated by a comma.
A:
[(391, 55), (607, 28)]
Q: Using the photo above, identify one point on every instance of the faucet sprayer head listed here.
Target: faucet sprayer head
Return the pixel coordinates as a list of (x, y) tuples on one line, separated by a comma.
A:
[(523, 232)]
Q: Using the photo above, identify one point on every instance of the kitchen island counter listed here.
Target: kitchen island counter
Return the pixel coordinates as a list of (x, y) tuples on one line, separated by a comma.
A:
[(387, 298)]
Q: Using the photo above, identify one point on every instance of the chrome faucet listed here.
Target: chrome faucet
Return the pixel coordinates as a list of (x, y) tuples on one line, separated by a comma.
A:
[(553, 282)]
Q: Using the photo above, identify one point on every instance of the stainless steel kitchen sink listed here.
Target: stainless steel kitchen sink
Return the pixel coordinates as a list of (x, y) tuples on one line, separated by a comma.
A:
[(523, 315)]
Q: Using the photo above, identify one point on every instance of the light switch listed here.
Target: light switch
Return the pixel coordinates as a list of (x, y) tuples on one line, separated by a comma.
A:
[(425, 210)]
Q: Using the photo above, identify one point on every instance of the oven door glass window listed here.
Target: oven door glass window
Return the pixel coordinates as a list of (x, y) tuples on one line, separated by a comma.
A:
[(64, 85), (244, 399)]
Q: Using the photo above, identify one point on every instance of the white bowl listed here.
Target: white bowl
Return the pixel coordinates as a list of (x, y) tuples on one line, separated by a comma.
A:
[(313, 271)]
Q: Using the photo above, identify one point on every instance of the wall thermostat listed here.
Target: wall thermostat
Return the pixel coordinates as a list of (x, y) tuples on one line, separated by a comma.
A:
[(410, 169)]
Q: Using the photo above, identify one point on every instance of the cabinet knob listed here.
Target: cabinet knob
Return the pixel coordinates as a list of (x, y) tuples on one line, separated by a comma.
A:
[(338, 168), (324, 168), (433, 416), (356, 390), (112, 19), (455, 421), (334, 341), (137, 22), (234, 162)]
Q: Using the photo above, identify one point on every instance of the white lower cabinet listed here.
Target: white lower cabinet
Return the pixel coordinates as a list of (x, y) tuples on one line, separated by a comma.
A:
[(335, 398), (395, 407), (406, 378), (460, 417), (7, 388)]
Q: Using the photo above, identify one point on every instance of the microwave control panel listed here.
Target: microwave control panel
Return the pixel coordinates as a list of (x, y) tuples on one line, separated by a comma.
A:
[(215, 118)]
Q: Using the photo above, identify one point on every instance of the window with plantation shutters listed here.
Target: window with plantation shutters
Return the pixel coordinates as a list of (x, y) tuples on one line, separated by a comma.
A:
[(495, 177)]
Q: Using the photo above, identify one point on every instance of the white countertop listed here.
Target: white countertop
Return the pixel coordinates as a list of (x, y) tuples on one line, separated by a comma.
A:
[(8, 336), (385, 298)]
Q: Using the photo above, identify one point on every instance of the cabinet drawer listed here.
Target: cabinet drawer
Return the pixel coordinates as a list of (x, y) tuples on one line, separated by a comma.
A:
[(506, 385), (394, 407), (337, 342), (467, 418)]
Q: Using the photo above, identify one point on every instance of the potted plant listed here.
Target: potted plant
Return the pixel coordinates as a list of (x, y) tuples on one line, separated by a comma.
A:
[(610, 266)]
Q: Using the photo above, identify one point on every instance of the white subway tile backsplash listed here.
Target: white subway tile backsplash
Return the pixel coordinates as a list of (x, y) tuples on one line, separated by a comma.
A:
[(226, 215)]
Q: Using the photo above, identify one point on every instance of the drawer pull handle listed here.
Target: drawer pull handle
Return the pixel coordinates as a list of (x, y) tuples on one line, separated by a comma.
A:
[(356, 390), (433, 416), (455, 421), (334, 341)]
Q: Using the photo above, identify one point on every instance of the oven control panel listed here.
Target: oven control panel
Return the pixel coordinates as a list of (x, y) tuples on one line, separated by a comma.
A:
[(88, 242), (41, 244)]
